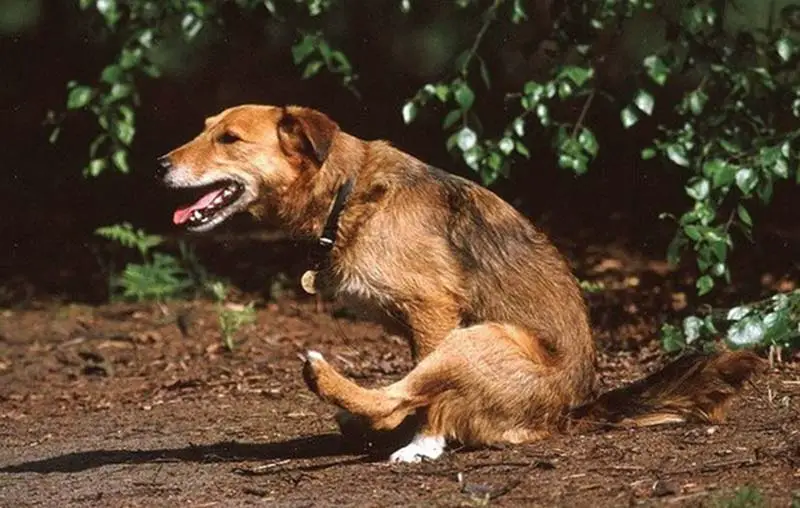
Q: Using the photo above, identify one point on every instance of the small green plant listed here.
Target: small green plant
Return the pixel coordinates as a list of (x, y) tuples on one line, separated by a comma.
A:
[(593, 286), (158, 276), (769, 322), (743, 497), (231, 318)]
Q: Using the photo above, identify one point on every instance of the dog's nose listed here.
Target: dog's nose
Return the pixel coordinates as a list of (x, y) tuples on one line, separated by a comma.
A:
[(165, 162), (164, 165)]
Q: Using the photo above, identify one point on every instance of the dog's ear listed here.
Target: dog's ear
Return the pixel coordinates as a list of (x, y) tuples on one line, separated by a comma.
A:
[(306, 131)]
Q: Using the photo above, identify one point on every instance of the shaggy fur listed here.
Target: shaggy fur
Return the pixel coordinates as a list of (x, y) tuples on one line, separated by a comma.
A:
[(495, 319)]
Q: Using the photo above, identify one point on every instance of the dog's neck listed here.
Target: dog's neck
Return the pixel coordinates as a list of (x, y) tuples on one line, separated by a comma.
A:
[(307, 205), (328, 237)]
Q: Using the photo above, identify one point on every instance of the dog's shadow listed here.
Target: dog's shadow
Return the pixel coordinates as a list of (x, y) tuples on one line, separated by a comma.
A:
[(354, 445), (326, 445)]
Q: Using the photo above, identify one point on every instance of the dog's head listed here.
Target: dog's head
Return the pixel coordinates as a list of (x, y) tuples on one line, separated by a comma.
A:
[(244, 153)]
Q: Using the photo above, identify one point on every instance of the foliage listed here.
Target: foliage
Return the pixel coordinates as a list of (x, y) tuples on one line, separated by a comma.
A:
[(140, 26), (231, 317), (774, 321), (744, 497), (158, 276), (728, 132)]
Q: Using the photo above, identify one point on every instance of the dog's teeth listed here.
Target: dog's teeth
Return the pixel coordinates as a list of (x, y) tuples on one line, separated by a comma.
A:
[(197, 215)]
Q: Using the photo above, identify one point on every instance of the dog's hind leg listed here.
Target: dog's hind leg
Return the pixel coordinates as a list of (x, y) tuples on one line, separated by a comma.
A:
[(382, 408), (484, 384)]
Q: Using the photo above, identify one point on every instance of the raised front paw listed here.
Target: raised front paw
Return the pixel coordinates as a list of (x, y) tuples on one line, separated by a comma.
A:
[(311, 370)]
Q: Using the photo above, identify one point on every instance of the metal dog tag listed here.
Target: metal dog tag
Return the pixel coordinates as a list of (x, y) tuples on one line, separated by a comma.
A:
[(308, 280)]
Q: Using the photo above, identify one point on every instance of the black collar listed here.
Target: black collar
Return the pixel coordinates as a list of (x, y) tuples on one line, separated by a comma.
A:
[(328, 237)]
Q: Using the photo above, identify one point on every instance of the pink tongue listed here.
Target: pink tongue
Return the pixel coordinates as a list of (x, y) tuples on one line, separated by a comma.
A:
[(181, 215)]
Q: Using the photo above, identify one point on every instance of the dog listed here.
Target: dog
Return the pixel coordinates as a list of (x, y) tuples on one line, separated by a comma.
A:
[(496, 321)]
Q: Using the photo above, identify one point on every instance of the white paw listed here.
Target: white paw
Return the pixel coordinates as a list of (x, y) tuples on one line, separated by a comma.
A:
[(419, 449), (314, 355)]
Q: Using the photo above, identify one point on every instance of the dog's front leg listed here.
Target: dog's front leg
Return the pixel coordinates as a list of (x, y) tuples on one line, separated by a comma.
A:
[(429, 322)]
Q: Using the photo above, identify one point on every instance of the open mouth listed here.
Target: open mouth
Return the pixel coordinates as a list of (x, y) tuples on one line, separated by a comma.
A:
[(216, 203)]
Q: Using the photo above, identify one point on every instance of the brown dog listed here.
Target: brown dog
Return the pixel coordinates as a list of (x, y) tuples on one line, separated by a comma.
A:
[(495, 318)]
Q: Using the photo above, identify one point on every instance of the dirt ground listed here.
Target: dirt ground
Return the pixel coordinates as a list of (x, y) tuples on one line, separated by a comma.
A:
[(141, 405)]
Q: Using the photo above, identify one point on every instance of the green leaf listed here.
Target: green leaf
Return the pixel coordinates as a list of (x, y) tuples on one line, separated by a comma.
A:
[(648, 153), (544, 114), (785, 48), (522, 149), (693, 232), (124, 132), (645, 102), (312, 68), (466, 139), (744, 215), (656, 69), (677, 154), (464, 96), (671, 338), (564, 90), (95, 167), (588, 142), (518, 14), (79, 97), (746, 180), (451, 118), (676, 245), (112, 74), (704, 285), (145, 38), (786, 149), (303, 49), (746, 332), (506, 145), (697, 101), (729, 146), (473, 157), (781, 168), (699, 190), (442, 92), (54, 135), (484, 73), (720, 172), (120, 160), (409, 112), (628, 117), (121, 90), (340, 62), (191, 25), (764, 191), (692, 328), (578, 75), (519, 126), (130, 58)]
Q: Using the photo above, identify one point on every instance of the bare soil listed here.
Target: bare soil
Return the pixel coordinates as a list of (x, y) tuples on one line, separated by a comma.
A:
[(141, 405)]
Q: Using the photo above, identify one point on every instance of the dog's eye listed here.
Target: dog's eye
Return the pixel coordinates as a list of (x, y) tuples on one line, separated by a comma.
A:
[(228, 138)]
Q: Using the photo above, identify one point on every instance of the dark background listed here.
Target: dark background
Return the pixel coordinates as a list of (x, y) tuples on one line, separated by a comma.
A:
[(49, 210)]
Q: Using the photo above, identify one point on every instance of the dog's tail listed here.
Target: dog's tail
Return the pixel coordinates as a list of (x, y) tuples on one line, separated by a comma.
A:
[(695, 388)]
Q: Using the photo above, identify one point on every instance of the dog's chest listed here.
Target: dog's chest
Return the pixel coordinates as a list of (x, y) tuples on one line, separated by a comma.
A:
[(360, 293), (356, 288)]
